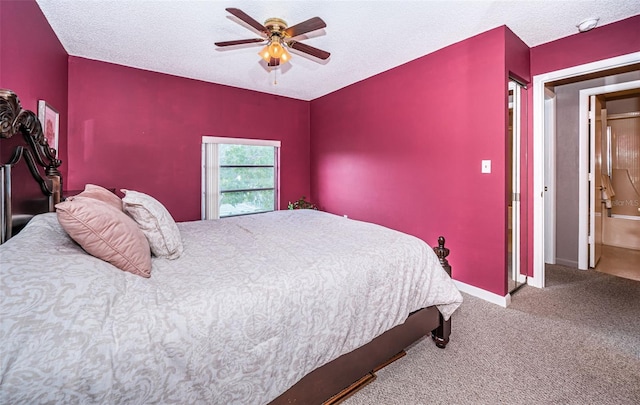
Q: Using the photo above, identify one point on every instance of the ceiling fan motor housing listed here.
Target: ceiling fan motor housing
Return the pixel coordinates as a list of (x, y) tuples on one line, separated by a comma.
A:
[(276, 26)]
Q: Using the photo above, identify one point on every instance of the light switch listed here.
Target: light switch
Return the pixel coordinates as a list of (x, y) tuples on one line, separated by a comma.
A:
[(486, 166)]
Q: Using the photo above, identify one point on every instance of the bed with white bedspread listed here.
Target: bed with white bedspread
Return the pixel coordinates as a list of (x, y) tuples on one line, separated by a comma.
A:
[(253, 304)]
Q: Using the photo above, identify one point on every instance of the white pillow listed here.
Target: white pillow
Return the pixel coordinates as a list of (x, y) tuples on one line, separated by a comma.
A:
[(156, 223)]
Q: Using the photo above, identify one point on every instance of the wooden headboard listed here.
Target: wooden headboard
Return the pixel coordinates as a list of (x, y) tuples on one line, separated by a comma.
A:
[(24, 157)]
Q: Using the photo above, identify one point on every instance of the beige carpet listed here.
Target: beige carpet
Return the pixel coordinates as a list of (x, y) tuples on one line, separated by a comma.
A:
[(575, 342)]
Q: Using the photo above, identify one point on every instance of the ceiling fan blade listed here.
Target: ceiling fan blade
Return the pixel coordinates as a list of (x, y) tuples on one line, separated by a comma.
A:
[(239, 42), (318, 53), (311, 24), (247, 19)]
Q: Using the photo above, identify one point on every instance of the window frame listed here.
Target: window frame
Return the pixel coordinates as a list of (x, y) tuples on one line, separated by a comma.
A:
[(210, 208)]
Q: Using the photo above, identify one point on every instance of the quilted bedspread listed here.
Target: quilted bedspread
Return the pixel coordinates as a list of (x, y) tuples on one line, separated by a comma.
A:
[(253, 304)]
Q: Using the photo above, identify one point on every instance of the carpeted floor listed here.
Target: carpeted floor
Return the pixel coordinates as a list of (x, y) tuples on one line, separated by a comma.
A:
[(575, 342)]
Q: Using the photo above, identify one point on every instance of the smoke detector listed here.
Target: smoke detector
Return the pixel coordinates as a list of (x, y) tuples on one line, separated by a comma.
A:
[(588, 24)]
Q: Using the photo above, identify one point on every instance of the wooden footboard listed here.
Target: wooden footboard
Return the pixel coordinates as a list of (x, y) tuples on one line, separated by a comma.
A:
[(331, 382)]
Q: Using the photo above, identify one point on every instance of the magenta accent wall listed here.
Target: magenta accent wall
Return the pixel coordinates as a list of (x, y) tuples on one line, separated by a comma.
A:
[(140, 130), (404, 148), (33, 63)]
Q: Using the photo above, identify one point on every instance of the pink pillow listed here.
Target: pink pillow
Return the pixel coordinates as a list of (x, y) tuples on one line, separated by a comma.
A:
[(107, 233), (100, 193)]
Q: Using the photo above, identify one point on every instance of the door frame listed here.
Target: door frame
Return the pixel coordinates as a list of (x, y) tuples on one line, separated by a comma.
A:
[(550, 177), (584, 207), (539, 143), (516, 184)]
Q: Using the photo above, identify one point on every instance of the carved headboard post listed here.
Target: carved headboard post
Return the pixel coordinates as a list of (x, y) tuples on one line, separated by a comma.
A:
[(5, 203), (37, 154), (56, 184)]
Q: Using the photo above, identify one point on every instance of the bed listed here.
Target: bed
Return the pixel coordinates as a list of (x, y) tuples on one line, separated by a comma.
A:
[(295, 306)]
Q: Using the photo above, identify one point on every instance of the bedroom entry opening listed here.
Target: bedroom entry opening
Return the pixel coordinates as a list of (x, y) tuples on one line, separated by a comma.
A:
[(239, 176), (515, 280)]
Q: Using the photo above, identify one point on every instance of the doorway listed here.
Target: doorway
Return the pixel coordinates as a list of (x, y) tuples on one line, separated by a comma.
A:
[(617, 194), (609, 152), (625, 63)]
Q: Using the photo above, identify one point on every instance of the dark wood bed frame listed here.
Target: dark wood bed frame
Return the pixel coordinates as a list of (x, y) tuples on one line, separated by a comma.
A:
[(328, 384), (18, 201)]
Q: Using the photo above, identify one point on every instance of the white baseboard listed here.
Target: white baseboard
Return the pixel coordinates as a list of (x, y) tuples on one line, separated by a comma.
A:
[(566, 262), (484, 294)]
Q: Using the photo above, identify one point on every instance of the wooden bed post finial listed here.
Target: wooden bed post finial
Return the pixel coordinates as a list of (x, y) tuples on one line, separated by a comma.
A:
[(442, 253), (441, 334)]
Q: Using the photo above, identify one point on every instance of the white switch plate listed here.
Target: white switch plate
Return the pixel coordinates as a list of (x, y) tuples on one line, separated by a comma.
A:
[(486, 166)]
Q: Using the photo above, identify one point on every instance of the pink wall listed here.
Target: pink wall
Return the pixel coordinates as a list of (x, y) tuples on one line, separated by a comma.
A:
[(140, 130), (33, 63), (404, 149)]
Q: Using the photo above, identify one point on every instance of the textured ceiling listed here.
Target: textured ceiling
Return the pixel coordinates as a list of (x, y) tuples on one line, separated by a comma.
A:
[(364, 37)]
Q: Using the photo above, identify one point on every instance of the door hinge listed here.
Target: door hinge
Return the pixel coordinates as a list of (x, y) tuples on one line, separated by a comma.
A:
[(590, 176), (515, 196), (590, 239)]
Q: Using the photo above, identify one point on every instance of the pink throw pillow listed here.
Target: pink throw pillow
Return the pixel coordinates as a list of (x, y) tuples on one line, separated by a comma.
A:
[(107, 233), (100, 193)]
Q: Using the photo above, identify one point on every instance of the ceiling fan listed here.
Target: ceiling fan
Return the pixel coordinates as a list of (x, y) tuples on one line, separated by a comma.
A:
[(279, 37)]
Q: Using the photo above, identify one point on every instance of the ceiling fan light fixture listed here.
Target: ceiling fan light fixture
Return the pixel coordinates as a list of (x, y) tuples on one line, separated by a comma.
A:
[(275, 51), (285, 55), (264, 53), (279, 36)]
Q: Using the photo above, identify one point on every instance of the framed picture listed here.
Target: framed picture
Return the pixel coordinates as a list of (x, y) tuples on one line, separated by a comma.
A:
[(50, 121)]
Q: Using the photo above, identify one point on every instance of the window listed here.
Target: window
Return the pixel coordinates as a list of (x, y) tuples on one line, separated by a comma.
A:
[(239, 176)]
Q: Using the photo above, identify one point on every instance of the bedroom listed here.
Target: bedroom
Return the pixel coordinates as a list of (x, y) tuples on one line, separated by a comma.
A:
[(177, 112), (78, 88)]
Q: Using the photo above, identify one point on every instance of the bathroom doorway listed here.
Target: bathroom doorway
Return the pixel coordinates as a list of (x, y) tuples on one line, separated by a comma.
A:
[(610, 173), (617, 188)]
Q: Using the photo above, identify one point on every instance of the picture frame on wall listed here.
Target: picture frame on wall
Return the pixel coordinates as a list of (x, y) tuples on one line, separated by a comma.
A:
[(50, 121)]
